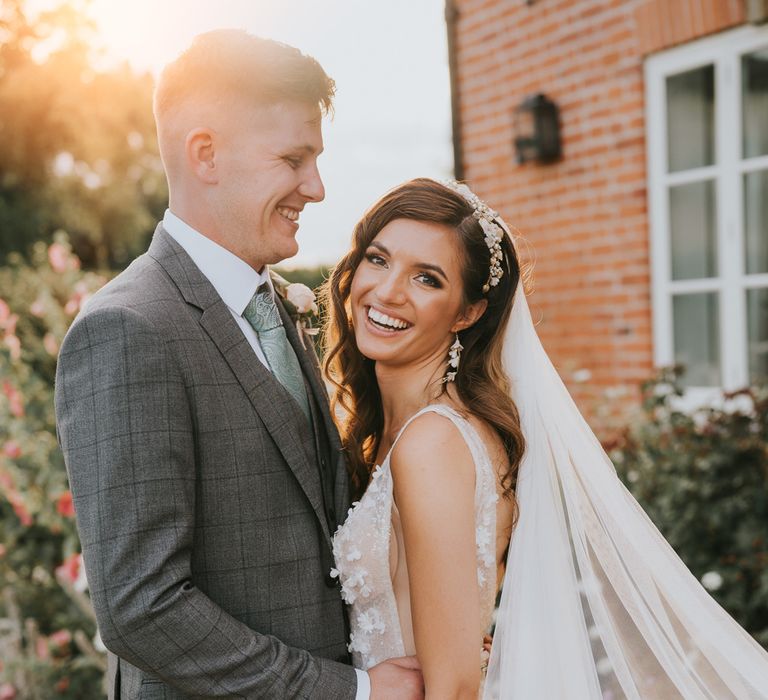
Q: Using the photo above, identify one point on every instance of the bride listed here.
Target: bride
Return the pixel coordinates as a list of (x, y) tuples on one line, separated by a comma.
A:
[(476, 472)]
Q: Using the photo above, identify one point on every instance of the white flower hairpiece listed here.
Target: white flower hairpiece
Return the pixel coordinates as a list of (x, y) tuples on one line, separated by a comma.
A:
[(494, 233)]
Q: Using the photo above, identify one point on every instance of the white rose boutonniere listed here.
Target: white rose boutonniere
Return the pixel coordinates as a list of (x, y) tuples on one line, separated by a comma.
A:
[(302, 297), (300, 302)]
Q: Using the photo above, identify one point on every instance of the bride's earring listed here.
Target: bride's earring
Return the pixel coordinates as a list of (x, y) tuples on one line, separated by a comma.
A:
[(454, 357)]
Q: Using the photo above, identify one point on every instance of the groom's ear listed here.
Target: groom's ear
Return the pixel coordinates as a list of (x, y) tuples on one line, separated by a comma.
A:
[(200, 149), (470, 316)]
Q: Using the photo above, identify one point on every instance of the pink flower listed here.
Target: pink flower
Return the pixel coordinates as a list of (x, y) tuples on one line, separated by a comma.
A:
[(58, 257), (7, 692), (6, 482), (37, 308), (5, 313), (50, 344), (12, 449), (41, 648), (64, 505), (302, 297), (60, 639), (69, 568), (14, 399), (14, 345), (21, 511)]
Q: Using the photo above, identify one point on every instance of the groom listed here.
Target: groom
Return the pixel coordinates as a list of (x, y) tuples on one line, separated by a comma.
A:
[(207, 473)]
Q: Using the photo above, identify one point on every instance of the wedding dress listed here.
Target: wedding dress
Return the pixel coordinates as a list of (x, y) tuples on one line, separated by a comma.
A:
[(595, 604), (370, 561)]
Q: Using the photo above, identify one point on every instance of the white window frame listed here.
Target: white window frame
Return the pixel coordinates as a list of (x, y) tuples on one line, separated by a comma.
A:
[(724, 52)]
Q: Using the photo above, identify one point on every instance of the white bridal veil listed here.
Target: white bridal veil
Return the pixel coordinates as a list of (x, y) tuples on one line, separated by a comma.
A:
[(596, 605)]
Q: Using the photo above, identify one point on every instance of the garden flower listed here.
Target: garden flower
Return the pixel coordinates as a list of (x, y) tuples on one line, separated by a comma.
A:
[(21, 511), (60, 640), (37, 309), (14, 345), (50, 344), (12, 449), (61, 259), (64, 505), (302, 297), (14, 399), (69, 568), (58, 257)]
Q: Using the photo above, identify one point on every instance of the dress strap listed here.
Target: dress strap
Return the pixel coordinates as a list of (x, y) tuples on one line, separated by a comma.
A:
[(471, 437)]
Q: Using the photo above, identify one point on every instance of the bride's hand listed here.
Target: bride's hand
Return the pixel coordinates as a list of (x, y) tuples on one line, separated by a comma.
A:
[(399, 679)]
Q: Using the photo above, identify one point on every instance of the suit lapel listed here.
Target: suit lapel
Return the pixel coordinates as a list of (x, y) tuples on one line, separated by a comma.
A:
[(277, 410)]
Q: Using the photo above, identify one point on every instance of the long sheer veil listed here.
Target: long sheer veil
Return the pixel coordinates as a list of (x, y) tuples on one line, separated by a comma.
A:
[(595, 604)]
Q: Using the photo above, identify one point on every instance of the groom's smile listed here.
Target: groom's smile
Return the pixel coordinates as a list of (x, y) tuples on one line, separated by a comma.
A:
[(268, 175)]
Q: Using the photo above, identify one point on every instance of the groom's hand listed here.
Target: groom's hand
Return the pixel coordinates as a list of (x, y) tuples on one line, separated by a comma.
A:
[(397, 679)]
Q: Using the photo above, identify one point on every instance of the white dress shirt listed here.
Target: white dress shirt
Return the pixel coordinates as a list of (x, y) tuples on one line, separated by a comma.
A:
[(236, 282)]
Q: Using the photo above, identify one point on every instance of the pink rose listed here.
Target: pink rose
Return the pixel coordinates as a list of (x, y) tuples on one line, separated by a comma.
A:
[(64, 505), (21, 511), (58, 257), (14, 345), (7, 692), (50, 344), (69, 568), (12, 449), (60, 640), (15, 399), (37, 309), (302, 297)]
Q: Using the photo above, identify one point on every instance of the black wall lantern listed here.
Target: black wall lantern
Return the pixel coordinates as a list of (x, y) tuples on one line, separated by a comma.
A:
[(537, 130)]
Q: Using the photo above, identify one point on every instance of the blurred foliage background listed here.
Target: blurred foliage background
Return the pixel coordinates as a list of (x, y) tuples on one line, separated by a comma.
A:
[(81, 188), (702, 477), (78, 150)]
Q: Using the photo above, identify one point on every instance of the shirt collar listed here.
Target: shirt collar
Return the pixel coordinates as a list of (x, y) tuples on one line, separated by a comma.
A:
[(234, 280)]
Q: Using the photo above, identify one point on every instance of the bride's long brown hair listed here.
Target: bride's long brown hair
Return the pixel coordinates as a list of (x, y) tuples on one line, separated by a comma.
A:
[(481, 383)]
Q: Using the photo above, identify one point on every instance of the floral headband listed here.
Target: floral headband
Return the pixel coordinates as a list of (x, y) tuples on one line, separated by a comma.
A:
[(494, 233)]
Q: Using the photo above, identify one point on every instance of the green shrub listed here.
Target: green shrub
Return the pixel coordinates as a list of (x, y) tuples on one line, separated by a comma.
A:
[(702, 477), (46, 623)]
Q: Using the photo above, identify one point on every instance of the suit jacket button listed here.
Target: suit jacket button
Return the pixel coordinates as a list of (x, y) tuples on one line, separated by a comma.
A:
[(330, 581)]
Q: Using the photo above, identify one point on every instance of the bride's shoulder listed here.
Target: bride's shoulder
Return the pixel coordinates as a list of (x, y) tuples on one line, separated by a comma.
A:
[(431, 443)]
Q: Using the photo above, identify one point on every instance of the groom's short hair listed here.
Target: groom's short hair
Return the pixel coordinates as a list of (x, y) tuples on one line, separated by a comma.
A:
[(232, 63)]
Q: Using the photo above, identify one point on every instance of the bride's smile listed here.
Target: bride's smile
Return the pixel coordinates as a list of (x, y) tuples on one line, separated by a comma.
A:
[(407, 294)]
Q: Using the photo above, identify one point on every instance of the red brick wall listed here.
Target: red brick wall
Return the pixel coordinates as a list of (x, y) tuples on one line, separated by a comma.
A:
[(585, 216)]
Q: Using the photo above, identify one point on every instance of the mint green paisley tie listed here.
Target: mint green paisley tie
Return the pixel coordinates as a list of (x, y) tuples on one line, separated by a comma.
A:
[(263, 315)]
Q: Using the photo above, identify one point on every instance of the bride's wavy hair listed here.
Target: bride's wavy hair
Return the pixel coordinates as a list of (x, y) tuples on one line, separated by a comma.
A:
[(481, 382)]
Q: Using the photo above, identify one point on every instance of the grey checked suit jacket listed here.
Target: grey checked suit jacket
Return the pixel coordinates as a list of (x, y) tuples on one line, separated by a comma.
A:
[(199, 502)]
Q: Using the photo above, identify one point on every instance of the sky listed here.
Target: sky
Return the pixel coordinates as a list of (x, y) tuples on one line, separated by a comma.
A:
[(389, 59)]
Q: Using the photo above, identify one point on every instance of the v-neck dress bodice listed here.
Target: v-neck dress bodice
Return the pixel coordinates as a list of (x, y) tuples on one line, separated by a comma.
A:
[(369, 555)]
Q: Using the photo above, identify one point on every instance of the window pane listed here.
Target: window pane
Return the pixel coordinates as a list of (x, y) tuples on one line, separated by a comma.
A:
[(691, 119), (697, 338), (756, 222), (754, 82), (757, 335), (693, 230)]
